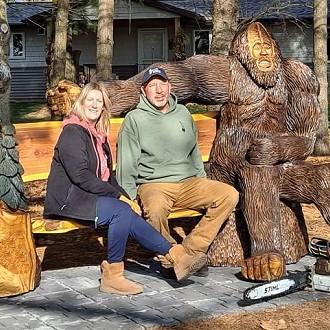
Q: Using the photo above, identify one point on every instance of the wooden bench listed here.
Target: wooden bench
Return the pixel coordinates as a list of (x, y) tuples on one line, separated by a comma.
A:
[(36, 143)]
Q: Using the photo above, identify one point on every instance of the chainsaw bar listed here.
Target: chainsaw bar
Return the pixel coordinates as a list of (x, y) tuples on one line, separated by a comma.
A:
[(294, 281)]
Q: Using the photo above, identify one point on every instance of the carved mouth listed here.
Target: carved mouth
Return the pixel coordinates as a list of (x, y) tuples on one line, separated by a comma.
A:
[(265, 65)]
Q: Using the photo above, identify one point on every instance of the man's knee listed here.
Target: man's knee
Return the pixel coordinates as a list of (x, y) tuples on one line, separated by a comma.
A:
[(155, 208), (224, 192), (232, 193)]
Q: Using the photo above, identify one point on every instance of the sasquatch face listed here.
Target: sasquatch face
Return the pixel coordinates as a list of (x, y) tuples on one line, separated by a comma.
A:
[(258, 53), (261, 47)]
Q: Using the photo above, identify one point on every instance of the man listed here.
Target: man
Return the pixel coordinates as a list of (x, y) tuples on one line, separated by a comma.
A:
[(159, 163)]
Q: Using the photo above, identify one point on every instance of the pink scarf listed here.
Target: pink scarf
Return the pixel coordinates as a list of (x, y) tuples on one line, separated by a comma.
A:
[(100, 139)]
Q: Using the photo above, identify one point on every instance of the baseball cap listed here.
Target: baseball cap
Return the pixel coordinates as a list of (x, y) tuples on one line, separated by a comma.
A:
[(152, 72)]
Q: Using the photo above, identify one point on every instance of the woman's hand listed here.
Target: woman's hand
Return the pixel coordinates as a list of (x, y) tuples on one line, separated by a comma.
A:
[(133, 204)]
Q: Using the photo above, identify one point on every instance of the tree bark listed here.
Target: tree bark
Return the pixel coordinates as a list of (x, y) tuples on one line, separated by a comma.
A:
[(321, 147), (5, 77), (225, 21), (57, 65), (104, 49)]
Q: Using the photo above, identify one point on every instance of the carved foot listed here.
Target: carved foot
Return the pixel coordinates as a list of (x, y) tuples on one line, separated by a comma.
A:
[(264, 267)]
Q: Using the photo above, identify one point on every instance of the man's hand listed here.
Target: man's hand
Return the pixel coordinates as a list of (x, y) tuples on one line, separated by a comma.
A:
[(133, 204), (264, 267)]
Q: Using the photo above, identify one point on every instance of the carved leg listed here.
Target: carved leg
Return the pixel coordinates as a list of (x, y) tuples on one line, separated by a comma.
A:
[(261, 206), (19, 265)]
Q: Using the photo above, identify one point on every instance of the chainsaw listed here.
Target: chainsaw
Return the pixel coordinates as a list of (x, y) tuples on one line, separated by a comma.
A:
[(315, 277)]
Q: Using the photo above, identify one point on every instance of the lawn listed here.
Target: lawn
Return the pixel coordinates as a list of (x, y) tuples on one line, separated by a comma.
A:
[(27, 112)]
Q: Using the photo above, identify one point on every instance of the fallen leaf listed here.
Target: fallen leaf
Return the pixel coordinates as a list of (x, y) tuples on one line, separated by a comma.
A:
[(273, 324)]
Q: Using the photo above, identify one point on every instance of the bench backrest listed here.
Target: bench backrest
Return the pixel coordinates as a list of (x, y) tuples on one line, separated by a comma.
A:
[(36, 142)]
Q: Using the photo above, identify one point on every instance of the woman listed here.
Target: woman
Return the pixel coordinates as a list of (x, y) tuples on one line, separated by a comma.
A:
[(81, 186)]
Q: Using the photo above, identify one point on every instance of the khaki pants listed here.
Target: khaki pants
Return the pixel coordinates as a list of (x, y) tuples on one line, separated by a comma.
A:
[(217, 199)]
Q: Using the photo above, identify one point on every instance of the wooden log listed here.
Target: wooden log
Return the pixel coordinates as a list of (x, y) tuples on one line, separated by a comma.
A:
[(201, 79), (19, 264)]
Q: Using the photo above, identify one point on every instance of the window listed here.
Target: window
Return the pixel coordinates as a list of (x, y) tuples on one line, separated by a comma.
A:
[(17, 46), (41, 31), (202, 42)]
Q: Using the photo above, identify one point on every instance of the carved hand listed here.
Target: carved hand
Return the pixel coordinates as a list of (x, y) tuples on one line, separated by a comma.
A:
[(263, 151), (279, 149)]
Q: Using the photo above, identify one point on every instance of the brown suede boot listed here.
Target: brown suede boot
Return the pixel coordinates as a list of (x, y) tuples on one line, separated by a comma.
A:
[(113, 280), (185, 265)]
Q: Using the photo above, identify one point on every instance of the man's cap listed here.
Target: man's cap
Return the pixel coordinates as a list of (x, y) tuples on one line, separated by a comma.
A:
[(152, 72)]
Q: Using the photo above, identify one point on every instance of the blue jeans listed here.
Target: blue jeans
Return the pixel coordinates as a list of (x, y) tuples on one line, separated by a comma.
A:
[(123, 221)]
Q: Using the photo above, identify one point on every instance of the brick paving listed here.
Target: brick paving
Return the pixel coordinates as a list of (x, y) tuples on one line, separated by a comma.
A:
[(69, 298)]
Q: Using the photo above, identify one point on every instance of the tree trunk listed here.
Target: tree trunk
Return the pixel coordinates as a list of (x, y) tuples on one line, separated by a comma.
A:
[(225, 21), (321, 147), (58, 62), (104, 49), (4, 67), (71, 64)]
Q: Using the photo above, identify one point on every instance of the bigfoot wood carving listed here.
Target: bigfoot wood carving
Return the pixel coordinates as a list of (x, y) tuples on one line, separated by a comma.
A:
[(269, 118), (267, 130)]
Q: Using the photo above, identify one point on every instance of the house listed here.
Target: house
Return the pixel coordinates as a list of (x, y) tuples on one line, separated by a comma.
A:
[(27, 50), (143, 34)]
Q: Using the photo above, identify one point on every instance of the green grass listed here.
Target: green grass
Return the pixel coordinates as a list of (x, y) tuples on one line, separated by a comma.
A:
[(30, 112), (27, 112), (196, 108)]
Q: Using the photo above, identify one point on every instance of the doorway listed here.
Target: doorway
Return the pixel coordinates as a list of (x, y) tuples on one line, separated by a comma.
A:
[(152, 47)]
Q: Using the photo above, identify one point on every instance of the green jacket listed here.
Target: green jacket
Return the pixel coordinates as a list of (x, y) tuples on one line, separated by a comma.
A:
[(157, 147)]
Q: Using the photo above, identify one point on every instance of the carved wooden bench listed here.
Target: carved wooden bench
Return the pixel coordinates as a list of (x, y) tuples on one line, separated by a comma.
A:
[(36, 142)]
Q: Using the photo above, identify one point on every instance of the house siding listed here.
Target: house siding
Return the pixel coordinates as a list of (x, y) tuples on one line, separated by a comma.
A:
[(294, 42), (34, 48), (125, 52), (28, 74), (28, 84)]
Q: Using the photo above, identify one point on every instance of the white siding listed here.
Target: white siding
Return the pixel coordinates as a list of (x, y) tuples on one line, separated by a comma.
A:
[(28, 74), (34, 49), (294, 42), (125, 46)]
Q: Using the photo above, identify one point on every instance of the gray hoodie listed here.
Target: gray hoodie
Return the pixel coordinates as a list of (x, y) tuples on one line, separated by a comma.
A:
[(157, 147)]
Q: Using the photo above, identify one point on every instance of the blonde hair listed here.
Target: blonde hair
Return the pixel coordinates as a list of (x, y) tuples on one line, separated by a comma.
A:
[(103, 124)]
